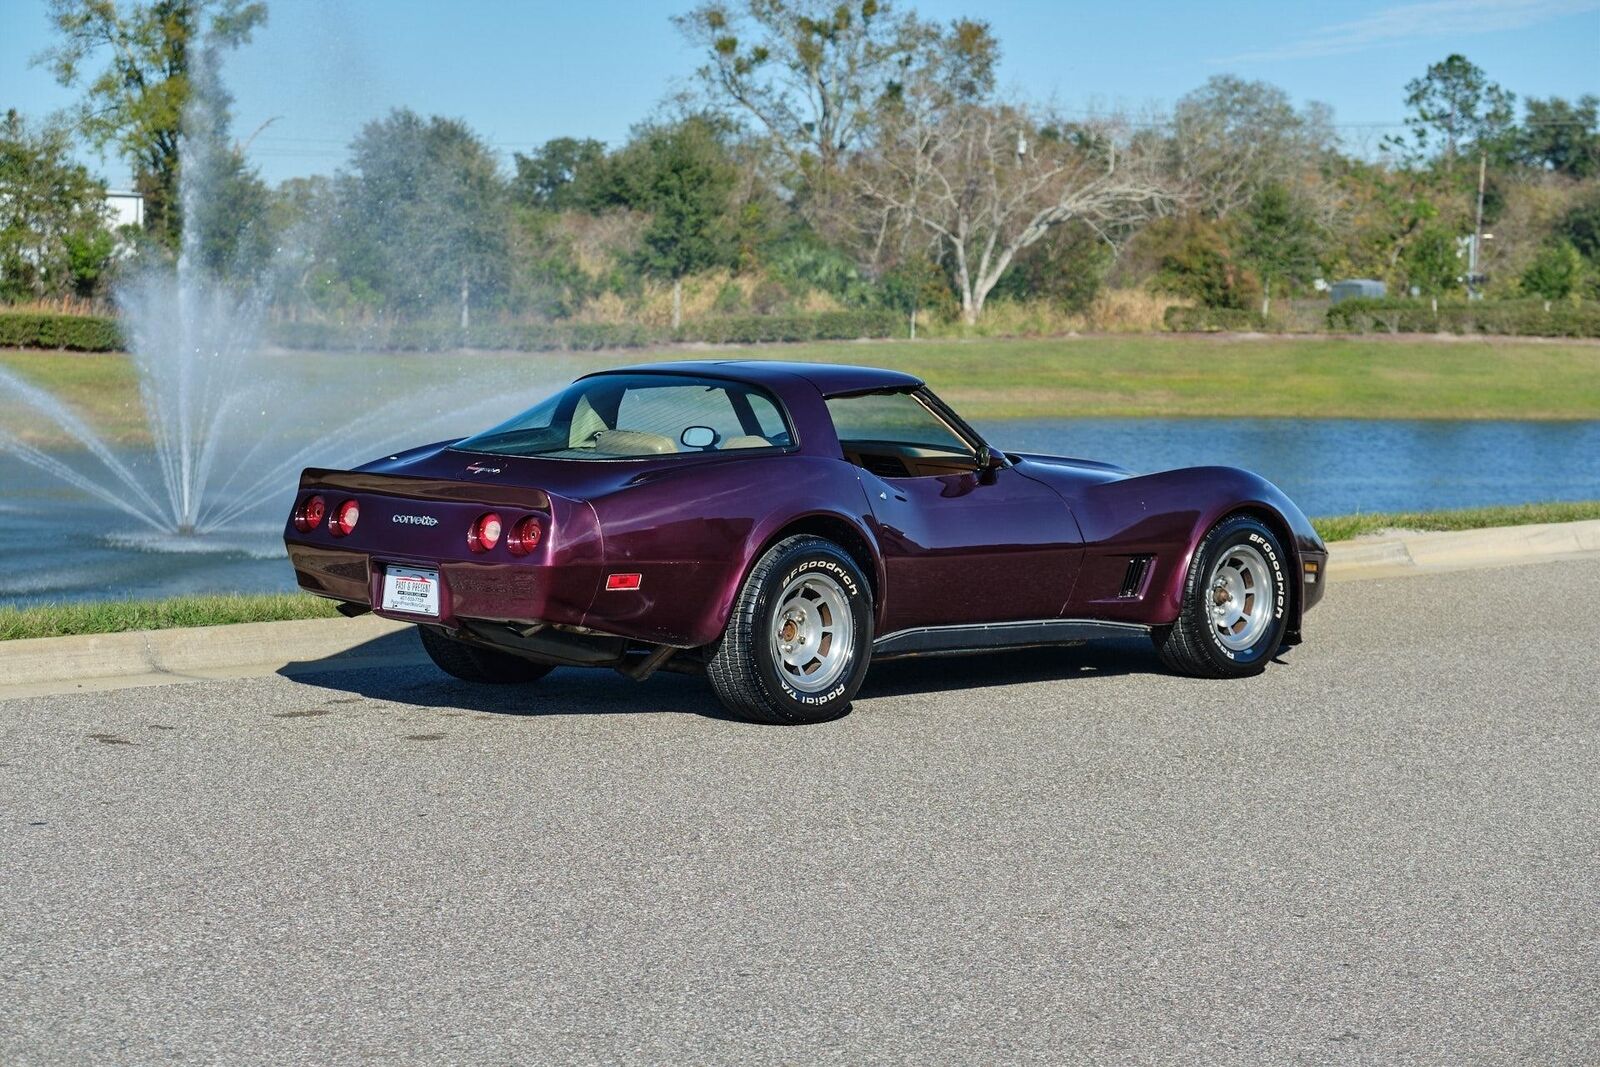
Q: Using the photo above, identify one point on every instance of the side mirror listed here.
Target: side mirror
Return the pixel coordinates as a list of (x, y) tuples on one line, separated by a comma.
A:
[(989, 461)]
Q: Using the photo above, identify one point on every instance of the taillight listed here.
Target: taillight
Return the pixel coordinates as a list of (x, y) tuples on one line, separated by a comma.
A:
[(308, 516), (485, 533), (344, 520), (525, 536)]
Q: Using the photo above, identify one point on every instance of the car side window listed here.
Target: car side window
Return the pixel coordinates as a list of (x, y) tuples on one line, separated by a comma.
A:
[(895, 435), (768, 418)]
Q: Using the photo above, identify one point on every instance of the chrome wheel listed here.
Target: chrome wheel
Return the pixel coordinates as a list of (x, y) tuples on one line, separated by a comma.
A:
[(1241, 597), (813, 633)]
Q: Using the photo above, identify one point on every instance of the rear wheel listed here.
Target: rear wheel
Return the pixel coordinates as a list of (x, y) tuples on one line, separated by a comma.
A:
[(798, 642), (1235, 603), (471, 663)]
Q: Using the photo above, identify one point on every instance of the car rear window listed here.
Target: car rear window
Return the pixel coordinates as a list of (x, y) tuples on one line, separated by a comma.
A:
[(623, 416)]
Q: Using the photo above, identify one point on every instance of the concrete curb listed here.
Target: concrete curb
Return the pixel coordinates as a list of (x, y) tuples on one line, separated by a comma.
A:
[(48, 665), (43, 665), (1433, 553)]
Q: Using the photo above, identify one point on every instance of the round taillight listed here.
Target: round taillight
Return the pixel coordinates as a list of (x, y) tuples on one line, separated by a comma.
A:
[(344, 520), (485, 533), (308, 516), (524, 536)]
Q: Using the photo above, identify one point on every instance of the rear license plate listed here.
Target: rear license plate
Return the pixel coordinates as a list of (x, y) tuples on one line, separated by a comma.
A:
[(411, 589)]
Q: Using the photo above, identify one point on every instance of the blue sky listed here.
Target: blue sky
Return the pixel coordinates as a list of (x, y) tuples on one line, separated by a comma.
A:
[(523, 71)]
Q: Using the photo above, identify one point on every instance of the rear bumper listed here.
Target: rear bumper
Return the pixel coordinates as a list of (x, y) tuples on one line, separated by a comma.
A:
[(497, 592)]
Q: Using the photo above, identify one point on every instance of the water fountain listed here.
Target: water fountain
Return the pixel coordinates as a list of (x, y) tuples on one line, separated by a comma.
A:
[(229, 421)]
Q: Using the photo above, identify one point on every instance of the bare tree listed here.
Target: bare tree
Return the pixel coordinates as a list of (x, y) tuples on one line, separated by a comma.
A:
[(813, 74), (982, 183), (1231, 138)]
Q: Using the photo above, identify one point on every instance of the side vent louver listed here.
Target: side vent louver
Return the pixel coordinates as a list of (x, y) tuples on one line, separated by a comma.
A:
[(1133, 577)]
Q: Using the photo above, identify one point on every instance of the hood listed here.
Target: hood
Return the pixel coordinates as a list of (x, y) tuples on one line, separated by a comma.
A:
[(1087, 470)]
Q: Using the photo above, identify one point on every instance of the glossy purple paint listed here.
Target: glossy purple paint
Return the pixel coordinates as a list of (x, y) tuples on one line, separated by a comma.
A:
[(1037, 538)]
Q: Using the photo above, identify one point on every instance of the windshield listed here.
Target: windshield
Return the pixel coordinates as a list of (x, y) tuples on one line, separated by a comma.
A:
[(621, 416)]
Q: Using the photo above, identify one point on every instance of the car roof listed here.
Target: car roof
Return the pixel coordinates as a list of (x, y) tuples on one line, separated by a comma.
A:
[(829, 379)]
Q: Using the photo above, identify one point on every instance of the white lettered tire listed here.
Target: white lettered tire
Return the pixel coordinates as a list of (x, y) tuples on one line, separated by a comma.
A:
[(799, 639), (1235, 603)]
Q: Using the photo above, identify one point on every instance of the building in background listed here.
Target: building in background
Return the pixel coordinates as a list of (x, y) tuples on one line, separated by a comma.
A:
[(127, 209), (1357, 287)]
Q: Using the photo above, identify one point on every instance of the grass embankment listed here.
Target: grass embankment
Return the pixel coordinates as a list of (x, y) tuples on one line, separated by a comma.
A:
[(62, 620), (1129, 376), (1344, 527), (117, 616)]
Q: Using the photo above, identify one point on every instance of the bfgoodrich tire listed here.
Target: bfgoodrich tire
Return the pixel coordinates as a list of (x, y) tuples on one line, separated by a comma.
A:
[(799, 639), (473, 664), (1235, 603)]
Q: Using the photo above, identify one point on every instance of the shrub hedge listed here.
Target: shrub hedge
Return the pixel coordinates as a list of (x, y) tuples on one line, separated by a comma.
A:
[(82, 333), (1211, 320), (540, 337), (93, 334), (1524, 318)]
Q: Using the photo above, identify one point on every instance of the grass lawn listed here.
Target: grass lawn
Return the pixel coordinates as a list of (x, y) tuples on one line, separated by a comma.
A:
[(1345, 527), (1107, 376), (116, 616), (113, 616)]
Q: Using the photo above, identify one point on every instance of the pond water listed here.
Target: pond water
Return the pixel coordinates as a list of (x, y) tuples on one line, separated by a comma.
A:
[(57, 545), (1342, 466)]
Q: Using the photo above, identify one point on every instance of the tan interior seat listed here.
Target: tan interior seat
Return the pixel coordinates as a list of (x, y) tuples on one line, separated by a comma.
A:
[(746, 441), (632, 443)]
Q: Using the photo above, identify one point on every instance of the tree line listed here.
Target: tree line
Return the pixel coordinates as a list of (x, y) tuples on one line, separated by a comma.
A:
[(849, 155)]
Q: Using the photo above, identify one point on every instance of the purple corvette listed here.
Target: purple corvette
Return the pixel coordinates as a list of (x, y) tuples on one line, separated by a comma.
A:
[(778, 526)]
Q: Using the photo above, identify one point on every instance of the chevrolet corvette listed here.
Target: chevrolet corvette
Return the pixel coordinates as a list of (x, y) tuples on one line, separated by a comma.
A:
[(779, 527)]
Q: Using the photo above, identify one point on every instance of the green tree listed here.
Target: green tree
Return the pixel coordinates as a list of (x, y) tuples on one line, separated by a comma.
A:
[(233, 223), (1455, 106), (551, 176), (1432, 262), (1066, 269), (1581, 226), (1556, 273), (682, 176), (1198, 262), (54, 239), (1280, 241), (136, 103), (1561, 136), (423, 219), (914, 283)]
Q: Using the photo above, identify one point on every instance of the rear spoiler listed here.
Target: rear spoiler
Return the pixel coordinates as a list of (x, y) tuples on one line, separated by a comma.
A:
[(415, 488)]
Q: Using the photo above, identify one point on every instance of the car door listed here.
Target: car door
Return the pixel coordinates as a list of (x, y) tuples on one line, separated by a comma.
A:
[(960, 545)]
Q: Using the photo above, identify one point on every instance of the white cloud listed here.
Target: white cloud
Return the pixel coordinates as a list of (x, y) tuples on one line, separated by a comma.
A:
[(1433, 18)]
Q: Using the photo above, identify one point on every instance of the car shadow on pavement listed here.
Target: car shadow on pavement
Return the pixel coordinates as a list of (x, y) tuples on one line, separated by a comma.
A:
[(393, 669), (930, 674)]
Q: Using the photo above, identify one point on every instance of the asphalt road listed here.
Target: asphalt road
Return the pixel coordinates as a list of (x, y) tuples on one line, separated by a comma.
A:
[(1384, 850)]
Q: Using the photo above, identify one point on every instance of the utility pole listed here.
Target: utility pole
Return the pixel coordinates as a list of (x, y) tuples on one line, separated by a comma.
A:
[(1475, 260)]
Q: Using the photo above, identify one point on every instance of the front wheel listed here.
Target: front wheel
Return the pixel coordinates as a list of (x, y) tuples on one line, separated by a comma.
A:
[(798, 641), (1235, 603)]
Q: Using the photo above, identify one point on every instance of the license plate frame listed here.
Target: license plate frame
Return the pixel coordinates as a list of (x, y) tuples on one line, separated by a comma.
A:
[(411, 590)]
